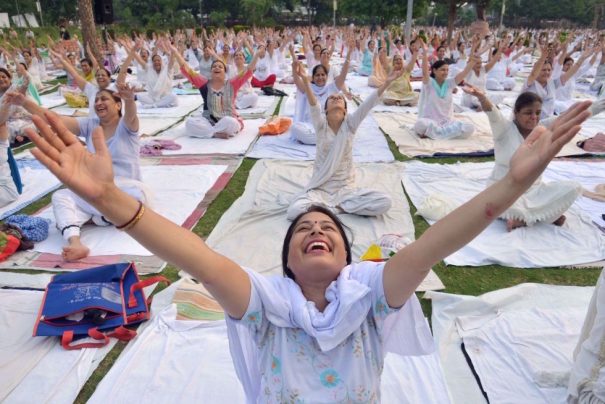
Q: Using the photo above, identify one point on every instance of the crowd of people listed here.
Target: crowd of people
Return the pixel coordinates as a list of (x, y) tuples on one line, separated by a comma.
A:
[(104, 184)]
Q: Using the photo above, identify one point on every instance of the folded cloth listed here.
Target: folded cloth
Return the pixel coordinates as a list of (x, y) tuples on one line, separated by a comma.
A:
[(155, 147), (33, 227)]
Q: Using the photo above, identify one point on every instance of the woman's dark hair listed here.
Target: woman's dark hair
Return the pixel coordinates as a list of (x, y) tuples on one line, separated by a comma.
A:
[(526, 99), (154, 56), (286, 247), (87, 60), (115, 97), (219, 61), (438, 64), (3, 70), (23, 64), (567, 59)]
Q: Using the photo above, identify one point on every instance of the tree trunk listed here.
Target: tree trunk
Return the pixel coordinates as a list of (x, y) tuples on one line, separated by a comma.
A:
[(481, 7), (451, 18), (89, 30)]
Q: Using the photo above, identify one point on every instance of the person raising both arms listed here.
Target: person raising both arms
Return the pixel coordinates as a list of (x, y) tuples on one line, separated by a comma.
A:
[(326, 306)]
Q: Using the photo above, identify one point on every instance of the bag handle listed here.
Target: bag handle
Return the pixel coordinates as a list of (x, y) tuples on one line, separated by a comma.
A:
[(132, 300), (121, 333), (68, 337)]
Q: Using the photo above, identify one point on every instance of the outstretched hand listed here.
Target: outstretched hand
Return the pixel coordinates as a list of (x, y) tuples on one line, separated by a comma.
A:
[(543, 144), (472, 90), (88, 175), (395, 74)]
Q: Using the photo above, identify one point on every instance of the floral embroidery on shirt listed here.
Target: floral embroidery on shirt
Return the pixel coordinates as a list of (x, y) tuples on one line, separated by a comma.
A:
[(275, 366), (329, 378), (380, 307), (254, 318)]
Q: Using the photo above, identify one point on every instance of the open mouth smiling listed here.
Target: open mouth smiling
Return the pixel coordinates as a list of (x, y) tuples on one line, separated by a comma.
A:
[(317, 246)]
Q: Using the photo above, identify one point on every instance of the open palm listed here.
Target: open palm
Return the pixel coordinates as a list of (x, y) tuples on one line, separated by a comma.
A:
[(543, 144), (88, 175)]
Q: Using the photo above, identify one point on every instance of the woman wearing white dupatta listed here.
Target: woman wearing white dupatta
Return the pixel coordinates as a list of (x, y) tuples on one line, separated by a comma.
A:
[(320, 334), (302, 130), (333, 182), (158, 83)]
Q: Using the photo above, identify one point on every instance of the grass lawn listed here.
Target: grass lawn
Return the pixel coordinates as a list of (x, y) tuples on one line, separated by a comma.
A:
[(459, 280)]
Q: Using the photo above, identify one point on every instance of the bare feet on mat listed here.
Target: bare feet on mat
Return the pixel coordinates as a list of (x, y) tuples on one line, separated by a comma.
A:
[(560, 221), (512, 224), (75, 250), (221, 135)]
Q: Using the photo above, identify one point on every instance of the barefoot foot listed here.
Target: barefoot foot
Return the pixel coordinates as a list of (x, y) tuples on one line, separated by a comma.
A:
[(75, 250), (512, 224), (559, 221)]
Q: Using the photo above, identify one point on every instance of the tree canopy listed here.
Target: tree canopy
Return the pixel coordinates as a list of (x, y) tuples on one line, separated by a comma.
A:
[(180, 13)]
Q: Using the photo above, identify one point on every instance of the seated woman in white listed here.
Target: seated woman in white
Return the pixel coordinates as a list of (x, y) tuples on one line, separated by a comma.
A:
[(542, 202), (496, 75), (477, 78), (333, 181), (327, 310), (436, 106), (120, 135), (158, 84), (302, 129), (414, 47), (540, 81), (564, 94), (246, 96)]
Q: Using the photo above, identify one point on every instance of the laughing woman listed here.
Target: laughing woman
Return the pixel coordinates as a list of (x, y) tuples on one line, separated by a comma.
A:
[(219, 118), (121, 139), (319, 333)]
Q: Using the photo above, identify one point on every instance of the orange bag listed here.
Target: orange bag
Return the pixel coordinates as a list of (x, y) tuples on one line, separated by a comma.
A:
[(276, 125)]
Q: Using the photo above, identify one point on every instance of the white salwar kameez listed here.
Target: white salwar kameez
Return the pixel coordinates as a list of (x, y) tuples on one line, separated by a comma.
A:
[(333, 182), (436, 114), (587, 378), (159, 89), (542, 202), (284, 349)]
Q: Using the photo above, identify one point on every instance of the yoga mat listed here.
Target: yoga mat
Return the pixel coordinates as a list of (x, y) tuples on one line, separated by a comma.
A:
[(37, 182), (204, 182), (252, 230), (369, 145), (237, 145), (533, 305), (578, 241)]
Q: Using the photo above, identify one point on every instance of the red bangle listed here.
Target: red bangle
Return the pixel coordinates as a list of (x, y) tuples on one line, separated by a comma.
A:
[(135, 218)]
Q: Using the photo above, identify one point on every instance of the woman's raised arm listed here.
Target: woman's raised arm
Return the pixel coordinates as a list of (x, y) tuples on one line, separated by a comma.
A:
[(408, 267), (91, 177)]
